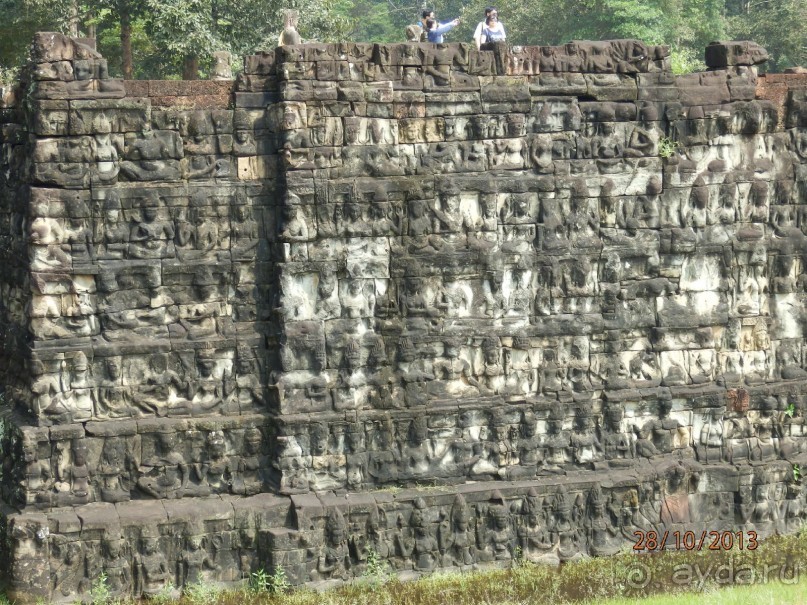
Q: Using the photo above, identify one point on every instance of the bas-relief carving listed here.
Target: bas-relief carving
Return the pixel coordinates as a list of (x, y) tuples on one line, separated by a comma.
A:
[(472, 275)]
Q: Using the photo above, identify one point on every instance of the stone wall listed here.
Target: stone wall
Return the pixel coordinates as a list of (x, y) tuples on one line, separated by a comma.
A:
[(550, 295)]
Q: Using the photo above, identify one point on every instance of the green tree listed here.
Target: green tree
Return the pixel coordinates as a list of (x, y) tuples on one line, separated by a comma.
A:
[(191, 30), (780, 26), (162, 38)]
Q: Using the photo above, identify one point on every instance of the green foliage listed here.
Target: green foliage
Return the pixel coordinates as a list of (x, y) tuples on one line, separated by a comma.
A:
[(377, 572), (780, 26), (258, 581), (791, 410), (201, 592), (667, 147), (99, 591), (165, 32), (275, 583), (685, 60), (165, 595), (796, 472)]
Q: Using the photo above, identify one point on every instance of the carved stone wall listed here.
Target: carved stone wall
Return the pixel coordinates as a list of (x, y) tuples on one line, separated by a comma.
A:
[(558, 285)]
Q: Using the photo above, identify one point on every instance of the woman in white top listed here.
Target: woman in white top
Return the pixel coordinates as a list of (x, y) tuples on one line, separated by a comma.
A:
[(481, 25), (493, 30)]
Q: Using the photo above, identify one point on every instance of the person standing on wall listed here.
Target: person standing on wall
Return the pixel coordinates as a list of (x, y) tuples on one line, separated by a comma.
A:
[(425, 16), (436, 30), (493, 30), (481, 25), (489, 30)]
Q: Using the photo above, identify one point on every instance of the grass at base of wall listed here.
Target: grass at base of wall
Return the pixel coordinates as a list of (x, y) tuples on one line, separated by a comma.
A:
[(773, 573)]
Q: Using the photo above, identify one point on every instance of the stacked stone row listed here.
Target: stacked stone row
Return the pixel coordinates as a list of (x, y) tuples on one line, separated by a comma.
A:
[(145, 548), (143, 299), (492, 272)]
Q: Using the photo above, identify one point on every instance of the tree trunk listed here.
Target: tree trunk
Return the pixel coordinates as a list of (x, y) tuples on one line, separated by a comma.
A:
[(89, 23), (190, 68), (126, 44), (73, 23)]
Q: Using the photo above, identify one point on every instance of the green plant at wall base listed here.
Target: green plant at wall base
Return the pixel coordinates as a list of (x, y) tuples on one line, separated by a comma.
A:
[(796, 472), (791, 410), (99, 591), (166, 594), (667, 147), (258, 581), (201, 593), (278, 582), (377, 571)]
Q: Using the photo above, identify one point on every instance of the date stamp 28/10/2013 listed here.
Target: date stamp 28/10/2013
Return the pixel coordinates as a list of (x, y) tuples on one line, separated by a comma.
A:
[(690, 540)]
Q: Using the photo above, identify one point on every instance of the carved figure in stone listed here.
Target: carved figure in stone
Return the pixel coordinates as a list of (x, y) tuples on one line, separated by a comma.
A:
[(765, 509), (334, 561), (765, 429), (520, 300), (386, 220), (104, 151), (355, 300), (115, 467), (533, 534), (454, 377), (586, 447), (148, 157), (350, 221), (757, 211), (246, 477), (541, 154), (380, 376), (565, 533), (247, 380), (422, 546), (412, 372), (67, 574), (216, 471), (111, 396), (37, 471), (617, 445), (74, 401), (165, 474), (495, 304), (667, 433), (151, 237), (641, 143), (293, 226), (491, 375), (372, 539), (552, 376), (153, 572), (422, 239), (497, 539), (117, 567), (160, 383), (79, 475), (195, 560), (289, 35), (459, 545), (528, 448), (556, 441), (47, 237), (603, 537), (208, 391), (384, 456), (696, 211), (520, 375)]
